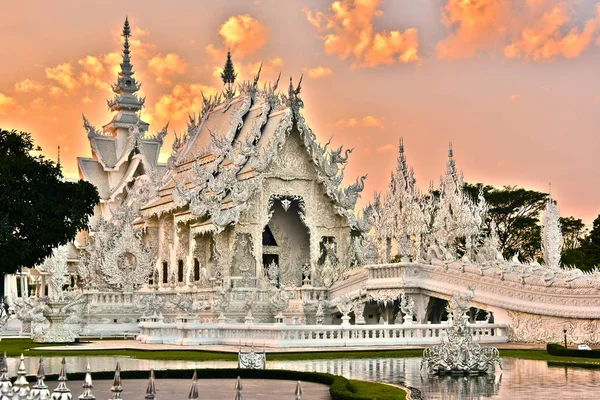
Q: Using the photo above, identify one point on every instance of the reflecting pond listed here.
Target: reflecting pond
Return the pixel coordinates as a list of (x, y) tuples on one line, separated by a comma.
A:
[(519, 379)]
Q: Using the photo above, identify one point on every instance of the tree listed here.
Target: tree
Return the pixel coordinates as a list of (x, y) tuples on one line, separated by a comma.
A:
[(515, 212), (39, 210), (228, 75), (591, 244), (573, 231)]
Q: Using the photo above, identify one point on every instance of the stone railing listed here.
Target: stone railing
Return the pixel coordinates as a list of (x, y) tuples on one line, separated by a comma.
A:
[(186, 333)]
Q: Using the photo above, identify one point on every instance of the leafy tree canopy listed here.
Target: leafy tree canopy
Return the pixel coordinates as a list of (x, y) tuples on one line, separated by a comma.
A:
[(515, 212), (38, 209)]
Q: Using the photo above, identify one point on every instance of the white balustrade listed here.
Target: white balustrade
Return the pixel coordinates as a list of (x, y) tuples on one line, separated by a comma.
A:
[(278, 335)]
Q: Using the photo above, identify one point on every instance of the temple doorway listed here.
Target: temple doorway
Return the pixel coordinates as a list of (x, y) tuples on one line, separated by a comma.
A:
[(286, 247)]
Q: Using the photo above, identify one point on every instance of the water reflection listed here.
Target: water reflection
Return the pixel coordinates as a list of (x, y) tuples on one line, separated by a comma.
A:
[(520, 379)]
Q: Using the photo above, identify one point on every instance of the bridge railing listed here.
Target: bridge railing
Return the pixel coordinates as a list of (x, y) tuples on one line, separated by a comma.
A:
[(281, 335)]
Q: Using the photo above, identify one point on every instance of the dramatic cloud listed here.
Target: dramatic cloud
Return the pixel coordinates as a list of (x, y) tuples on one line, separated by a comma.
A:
[(243, 34), (348, 32), (366, 122), (319, 72), (549, 35), (532, 29), (64, 75), (476, 25), (165, 67), (6, 104), (93, 73), (183, 99), (28, 85)]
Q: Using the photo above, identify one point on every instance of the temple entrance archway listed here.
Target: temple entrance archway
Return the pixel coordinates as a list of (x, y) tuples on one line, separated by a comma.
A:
[(286, 245)]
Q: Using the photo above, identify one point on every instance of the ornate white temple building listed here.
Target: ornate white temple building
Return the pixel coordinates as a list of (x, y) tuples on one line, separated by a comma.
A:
[(248, 225)]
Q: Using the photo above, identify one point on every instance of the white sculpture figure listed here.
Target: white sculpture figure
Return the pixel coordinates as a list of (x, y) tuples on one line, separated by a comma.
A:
[(344, 304), (151, 305), (551, 234), (273, 272), (459, 353), (407, 307), (320, 317)]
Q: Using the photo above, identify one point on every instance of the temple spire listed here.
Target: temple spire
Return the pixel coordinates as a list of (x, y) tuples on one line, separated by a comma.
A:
[(126, 86)]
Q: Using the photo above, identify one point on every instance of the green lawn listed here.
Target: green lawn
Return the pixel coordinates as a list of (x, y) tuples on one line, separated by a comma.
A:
[(377, 391), (14, 347)]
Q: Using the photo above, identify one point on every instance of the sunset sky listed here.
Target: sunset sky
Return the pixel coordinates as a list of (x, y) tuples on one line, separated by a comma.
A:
[(514, 84)]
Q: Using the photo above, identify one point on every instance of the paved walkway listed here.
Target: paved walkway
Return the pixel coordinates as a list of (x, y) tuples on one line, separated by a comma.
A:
[(135, 345), (253, 389)]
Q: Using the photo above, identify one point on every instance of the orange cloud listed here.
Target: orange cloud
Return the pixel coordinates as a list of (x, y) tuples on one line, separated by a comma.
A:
[(349, 32), (183, 100), (243, 34), (544, 38), (514, 97), (165, 67), (476, 25), (534, 29), (366, 122), (64, 75), (318, 72), (28, 85), (6, 104), (140, 48), (387, 147)]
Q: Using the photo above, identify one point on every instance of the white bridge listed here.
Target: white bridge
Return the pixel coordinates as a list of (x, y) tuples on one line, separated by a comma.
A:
[(536, 302), (186, 333)]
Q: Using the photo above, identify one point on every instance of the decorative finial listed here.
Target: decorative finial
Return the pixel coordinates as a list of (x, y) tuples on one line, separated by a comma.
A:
[(194, 390), (40, 390), (151, 389), (450, 153), (401, 145), (87, 385), (238, 384), (298, 392), (5, 383), (62, 392), (550, 189), (21, 386), (116, 388), (58, 157)]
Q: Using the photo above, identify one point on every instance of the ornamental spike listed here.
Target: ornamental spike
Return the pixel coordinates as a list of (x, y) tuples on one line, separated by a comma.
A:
[(62, 392), (5, 383), (194, 390), (116, 388), (450, 153), (21, 386), (151, 388), (39, 390), (87, 385), (298, 392), (238, 384)]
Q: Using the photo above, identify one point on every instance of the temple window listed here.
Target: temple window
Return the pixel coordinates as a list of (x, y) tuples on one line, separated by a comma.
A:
[(165, 271), (196, 269), (180, 271)]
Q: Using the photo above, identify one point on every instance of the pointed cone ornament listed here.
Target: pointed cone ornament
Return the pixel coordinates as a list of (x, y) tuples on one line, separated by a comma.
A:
[(21, 386), (6, 388), (194, 390), (151, 389), (238, 384), (39, 390), (298, 391), (62, 392), (116, 388), (87, 385)]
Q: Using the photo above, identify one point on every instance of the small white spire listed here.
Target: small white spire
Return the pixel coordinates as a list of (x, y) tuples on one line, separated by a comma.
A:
[(194, 390)]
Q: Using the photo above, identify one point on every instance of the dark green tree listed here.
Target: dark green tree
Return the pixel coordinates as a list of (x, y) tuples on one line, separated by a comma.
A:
[(573, 231), (591, 245), (39, 210), (228, 75), (515, 212)]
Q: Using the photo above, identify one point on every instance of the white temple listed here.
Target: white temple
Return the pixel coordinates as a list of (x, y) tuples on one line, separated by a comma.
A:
[(248, 230)]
